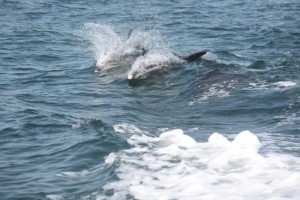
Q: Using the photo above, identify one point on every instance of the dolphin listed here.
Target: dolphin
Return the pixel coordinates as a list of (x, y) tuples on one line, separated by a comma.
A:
[(124, 54), (159, 63)]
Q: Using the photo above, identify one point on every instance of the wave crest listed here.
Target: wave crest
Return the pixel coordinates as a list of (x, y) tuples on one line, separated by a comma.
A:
[(175, 166)]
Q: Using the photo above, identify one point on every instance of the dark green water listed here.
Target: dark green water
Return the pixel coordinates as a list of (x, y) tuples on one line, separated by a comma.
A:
[(68, 132)]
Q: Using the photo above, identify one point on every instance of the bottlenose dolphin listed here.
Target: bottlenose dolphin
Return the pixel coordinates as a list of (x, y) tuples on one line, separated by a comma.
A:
[(159, 63), (122, 55)]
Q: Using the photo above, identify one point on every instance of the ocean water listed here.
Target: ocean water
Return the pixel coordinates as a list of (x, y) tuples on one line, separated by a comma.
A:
[(224, 126)]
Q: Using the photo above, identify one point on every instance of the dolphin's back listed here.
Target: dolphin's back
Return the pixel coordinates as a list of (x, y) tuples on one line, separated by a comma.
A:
[(193, 56)]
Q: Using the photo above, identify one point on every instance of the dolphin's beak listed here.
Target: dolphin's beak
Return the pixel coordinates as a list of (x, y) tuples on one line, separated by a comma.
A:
[(130, 77)]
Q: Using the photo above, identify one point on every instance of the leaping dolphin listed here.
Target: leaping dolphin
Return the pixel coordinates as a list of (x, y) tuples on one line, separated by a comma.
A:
[(158, 63)]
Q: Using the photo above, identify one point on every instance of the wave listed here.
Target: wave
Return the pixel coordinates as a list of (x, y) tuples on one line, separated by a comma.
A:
[(217, 83), (175, 166), (264, 85)]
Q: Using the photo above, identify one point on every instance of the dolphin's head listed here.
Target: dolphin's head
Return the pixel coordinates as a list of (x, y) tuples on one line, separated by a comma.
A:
[(98, 66), (138, 69), (132, 75), (149, 65), (144, 71), (106, 64), (136, 73)]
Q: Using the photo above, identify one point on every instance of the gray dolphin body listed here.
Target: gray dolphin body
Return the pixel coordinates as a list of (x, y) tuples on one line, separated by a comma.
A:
[(159, 63)]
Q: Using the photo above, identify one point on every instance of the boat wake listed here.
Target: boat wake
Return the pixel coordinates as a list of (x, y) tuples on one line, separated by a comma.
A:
[(175, 166)]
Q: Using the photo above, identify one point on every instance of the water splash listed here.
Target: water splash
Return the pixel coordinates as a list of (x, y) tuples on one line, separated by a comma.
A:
[(114, 50), (175, 166)]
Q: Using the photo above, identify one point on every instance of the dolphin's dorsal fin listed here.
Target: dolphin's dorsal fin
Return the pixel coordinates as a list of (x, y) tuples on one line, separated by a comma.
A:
[(194, 56)]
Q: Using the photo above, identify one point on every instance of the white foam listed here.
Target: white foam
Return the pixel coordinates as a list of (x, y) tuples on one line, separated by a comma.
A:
[(217, 139), (211, 57), (175, 166), (285, 84), (263, 85), (215, 91), (54, 197), (83, 173), (126, 128)]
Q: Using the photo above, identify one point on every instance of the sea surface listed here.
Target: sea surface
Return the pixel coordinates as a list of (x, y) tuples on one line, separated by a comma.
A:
[(226, 126)]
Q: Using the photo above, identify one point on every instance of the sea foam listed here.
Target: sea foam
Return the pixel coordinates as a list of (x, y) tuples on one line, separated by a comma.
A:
[(175, 166)]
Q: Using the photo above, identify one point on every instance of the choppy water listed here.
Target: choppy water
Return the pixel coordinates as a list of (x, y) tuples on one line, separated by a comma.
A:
[(224, 126)]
